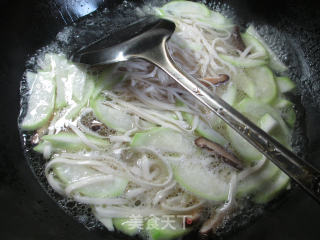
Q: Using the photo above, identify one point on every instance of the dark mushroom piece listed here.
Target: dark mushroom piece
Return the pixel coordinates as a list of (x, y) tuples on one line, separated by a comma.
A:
[(216, 80), (35, 139), (95, 126), (237, 40), (219, 151)]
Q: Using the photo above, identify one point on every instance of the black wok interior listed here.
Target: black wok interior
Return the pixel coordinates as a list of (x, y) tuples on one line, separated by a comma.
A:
[(26, 210)]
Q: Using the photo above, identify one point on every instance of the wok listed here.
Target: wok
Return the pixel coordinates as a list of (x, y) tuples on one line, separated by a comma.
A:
[(27, 212)]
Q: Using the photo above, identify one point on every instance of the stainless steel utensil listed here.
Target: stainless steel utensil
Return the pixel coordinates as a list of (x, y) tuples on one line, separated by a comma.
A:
[(147, 39)]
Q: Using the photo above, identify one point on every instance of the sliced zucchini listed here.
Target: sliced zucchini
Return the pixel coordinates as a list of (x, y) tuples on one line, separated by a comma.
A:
[(69, 142), (123, 225), (198, 10), (257, 180), (69, 174), (62, 91), (74, 109), (283, 103), (258, 83), (30, 78), (257, 47), (41, 101), (290, 117), (184, 8), (214, 186), (77, 75), (157, 230), (287, 110), (200, 181), (268, 123), (205, 130), (255, 110), (242, 62), (230, 95), (163, 139), (59, 64), (73, 82), (53, 62), (111, 117), (285, 84), (217, 21), (265, 88), (89, 88), (71, 78), (246, 151), (245, 83), (106, 80), (41, 146), (273, 189), (274, 62)]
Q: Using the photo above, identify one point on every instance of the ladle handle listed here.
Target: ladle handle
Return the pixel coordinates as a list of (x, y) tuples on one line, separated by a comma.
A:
[(300, 171)]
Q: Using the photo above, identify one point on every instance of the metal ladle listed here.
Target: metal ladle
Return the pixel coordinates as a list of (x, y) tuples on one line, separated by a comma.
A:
[(146, 39)]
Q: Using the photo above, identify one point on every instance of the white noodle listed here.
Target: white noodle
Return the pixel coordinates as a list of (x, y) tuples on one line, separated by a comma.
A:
[(145, 166), (47, 150), (72, 162), (82, 137), (99, 201), (182, 209), (125, 137), (195, 122), (127, 173), (249, 171), (163, 193), (223, 211), (119, 138), (132, 193), (256, 55), (87, 181), (246, 52), (126, 212), (56, 185), (144, 114)]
